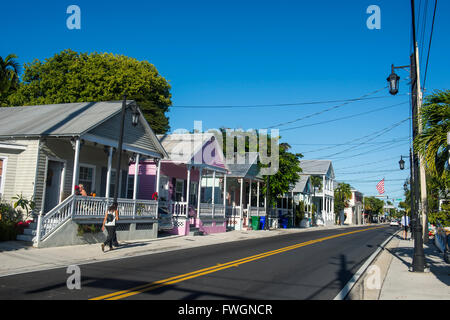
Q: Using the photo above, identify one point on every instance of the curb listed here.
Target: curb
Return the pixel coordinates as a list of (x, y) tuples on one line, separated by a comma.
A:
[(348, 287)]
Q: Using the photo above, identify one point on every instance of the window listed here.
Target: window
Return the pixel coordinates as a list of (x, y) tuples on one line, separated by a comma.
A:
[(130, 187), (179, 190), (193, 193), (86, 178)]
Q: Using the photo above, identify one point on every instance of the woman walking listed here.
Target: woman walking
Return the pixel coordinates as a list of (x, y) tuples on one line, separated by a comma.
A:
[(111, 216)]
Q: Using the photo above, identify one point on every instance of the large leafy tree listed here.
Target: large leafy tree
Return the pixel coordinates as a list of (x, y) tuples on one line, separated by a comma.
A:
[(9, 77), (80, 77), (287, 175), (373, 206)]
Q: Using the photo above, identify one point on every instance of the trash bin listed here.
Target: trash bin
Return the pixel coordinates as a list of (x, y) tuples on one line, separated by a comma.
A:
[(262, 223), (255, 223), (284, 222)]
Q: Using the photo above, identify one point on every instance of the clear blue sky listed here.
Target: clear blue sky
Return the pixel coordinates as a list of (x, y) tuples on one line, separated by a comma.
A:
[(217, 53)]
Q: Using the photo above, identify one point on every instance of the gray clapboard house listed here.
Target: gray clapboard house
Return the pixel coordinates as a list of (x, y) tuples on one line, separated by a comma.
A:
[(46, 150)]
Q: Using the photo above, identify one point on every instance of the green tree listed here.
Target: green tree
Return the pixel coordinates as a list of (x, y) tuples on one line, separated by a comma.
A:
[(342, 196), (373, 206), (287, 175), (81, 77), (432, 142), (9, 77)]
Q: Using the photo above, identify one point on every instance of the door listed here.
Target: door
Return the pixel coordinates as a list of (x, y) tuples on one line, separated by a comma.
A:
[(53, 184)]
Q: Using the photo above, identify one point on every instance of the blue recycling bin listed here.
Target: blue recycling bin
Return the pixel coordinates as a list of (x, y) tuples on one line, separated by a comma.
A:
[(284, 222), (262, 223)]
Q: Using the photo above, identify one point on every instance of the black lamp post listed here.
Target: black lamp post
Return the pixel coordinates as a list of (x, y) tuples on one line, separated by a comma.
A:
[(418, 263), (402, 163), (134, 121), (393, 80)]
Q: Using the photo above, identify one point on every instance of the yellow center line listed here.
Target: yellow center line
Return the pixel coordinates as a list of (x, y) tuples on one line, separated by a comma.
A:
[(194, 274)]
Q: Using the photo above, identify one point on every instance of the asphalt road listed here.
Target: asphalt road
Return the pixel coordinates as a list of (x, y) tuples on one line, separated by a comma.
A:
[(306, 266)]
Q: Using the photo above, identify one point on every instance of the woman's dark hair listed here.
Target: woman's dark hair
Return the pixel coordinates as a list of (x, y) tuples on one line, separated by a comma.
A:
[(112, 207)]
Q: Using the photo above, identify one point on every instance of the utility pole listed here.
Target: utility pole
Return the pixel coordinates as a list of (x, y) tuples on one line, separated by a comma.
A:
[(418, 264)]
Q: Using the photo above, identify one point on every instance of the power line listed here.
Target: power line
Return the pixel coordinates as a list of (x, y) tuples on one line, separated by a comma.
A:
[(356, 144), (378, 133), (328, 109), (344, 118), (429, 44), (362, 98)]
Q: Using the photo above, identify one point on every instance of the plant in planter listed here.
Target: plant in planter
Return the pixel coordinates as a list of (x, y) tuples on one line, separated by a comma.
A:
[(88, 228)]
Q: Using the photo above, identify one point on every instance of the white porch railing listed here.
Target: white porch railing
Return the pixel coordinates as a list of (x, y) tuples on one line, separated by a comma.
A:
[(176, 208), (208, 210), (255, 211), (91, 207)]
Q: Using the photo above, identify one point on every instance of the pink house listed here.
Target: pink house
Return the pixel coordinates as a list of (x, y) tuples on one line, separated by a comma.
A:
[(190, 183)]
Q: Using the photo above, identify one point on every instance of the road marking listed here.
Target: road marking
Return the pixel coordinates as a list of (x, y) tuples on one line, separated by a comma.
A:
[(194, 274)]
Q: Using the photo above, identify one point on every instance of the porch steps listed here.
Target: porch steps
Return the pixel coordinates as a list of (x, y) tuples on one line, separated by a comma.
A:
[(28, 234), (195, 231)]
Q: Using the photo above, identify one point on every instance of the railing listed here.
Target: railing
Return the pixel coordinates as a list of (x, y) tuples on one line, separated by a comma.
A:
[(233, 211), (255, 211), (91, 207), (176, 208), (87, 207), (54, 218), (208, 210)]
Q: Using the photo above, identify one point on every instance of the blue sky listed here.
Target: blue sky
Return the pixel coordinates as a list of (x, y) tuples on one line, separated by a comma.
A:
[(240, 53)]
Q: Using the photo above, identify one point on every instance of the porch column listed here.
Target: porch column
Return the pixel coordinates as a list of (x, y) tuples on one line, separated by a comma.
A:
[(158, 174), (240, 199), (109, 172), (199, 191), (136, 176), (293, 209), (76, 165), (224, 194), (323, 199), (213, 192), (187, 190), (249, 196), (257, 198)]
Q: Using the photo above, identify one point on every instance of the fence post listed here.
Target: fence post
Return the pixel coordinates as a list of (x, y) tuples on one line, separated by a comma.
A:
[(38, 231)]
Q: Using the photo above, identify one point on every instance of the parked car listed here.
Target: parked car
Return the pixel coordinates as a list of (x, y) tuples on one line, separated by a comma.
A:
[(394, 223)]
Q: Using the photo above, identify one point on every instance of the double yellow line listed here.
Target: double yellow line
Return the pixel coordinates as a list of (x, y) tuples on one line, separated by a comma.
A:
[(198, 273)]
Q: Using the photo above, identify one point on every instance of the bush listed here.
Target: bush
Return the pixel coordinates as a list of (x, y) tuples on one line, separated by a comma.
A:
[(11, 223), (88, 228)]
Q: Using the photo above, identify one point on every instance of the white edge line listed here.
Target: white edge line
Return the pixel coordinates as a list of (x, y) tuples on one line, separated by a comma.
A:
[(348, 287)]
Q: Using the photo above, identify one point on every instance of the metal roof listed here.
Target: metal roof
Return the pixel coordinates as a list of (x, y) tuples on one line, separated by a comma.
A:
[(182, 147), (320, 167), (245, 167), (68, 119), (301, 184)]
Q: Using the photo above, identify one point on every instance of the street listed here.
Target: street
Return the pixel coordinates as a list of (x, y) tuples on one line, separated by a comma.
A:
[(312, 265)]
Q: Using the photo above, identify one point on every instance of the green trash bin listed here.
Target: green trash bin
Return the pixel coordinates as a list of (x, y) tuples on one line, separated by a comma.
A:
[(255, 223)]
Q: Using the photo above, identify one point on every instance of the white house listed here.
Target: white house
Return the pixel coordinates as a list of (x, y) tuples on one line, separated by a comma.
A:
[(354, 211), (323, 197)]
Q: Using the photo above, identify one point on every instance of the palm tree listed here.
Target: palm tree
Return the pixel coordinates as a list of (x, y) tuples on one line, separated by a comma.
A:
[(432, 142), (9, 76), (342, 194)]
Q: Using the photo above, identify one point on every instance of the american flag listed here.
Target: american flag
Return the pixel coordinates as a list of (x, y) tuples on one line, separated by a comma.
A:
[(380, 187)]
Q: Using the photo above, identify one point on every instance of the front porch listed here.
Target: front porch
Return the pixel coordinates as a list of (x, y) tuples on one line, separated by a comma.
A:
[(138, 219)]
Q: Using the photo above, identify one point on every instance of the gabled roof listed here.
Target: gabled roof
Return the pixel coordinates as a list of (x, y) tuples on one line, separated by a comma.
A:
[(317, 167), (301, 185), (245, 166), (185, 147), (67, 119)]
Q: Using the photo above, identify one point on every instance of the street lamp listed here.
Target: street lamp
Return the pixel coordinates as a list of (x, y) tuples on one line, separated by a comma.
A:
[(401, 163), (134, 121), (393, 80)]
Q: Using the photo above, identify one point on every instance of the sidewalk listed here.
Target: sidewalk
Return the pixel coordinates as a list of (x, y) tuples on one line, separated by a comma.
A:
[(396, 282), (16, 258)]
